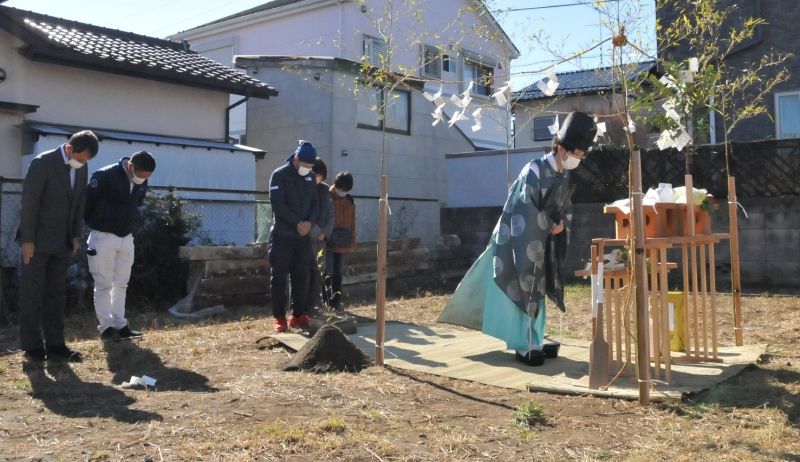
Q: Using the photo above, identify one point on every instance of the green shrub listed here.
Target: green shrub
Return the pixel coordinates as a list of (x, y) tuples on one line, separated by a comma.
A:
[(529, 415), (159, 277)]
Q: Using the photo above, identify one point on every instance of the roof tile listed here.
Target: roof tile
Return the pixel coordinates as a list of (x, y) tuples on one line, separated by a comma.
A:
[(114, 50), (583, 82)]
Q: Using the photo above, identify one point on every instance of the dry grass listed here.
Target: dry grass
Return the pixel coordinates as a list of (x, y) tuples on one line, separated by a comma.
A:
[(220, 397)]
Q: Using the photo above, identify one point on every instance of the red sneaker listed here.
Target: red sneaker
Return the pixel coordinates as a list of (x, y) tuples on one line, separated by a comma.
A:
[(280, 325), (298, 322)]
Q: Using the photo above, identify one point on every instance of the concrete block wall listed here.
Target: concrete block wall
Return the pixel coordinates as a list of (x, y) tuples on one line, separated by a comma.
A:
[(769, 238), (234, 276)]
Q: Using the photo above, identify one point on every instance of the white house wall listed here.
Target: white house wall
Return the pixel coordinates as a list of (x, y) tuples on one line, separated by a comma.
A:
[(525, 112), (11, 140), (314, 30), (303, 111), (496, 171), (324, 112), (74, 96)]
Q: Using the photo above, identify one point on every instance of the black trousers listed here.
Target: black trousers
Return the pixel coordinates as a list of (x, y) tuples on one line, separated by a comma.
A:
[(289, 257), (335, 263), (43, 295), (315, 276)]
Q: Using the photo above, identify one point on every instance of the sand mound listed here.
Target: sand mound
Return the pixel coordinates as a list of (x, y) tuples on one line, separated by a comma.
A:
[(329, 350)]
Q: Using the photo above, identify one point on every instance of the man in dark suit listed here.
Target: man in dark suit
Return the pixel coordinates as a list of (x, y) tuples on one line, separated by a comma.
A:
[(53, 197)]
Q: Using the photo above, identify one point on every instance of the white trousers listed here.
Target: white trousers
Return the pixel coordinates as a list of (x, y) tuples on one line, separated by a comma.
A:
[(111, 269)]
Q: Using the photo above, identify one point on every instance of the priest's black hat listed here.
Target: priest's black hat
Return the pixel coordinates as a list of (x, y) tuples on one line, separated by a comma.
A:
[(577, 131)]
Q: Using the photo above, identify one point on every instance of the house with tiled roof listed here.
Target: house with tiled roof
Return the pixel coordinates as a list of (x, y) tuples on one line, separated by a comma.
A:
[(594, 91), (315, 50), (136, 92)]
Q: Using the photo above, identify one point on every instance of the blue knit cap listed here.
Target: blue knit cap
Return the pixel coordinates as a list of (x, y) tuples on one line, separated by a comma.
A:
[(305, 152)]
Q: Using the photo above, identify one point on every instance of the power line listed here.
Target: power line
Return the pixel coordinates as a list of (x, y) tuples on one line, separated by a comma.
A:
[(561, 5)]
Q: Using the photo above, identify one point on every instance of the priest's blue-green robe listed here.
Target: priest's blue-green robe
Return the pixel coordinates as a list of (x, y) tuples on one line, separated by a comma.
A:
[(503, 293)]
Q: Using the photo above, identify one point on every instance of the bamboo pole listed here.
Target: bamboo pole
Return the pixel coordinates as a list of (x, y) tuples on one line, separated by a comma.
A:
[(609, 318), (687, 346), (601, 249), (655, 313), (703, 292), (693, 261), (664, 293), (639, 278), (713, 279), (627, 321), (736, 282), (383, 208), (617, 317)]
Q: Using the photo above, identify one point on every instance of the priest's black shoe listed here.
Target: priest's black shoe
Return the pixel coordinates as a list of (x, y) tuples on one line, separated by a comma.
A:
[(65, 353)]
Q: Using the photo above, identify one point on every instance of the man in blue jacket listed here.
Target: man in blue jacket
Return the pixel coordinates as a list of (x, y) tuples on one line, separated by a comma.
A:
[(292, 194), (113, 199)]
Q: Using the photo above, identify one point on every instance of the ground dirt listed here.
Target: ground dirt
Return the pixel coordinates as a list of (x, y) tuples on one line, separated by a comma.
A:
[(221, 396)]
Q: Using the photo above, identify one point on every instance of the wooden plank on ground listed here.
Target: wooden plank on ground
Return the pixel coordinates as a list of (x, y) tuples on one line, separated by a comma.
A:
[(192, 253)]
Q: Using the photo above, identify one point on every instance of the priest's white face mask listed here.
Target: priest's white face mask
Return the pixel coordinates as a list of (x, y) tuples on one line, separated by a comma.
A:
[(573, 159), (570, 163)]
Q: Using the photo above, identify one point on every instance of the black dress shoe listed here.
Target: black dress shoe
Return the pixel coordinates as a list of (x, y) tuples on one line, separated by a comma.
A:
[(36, 354), (65, 353), (126, 332), (108, 334)]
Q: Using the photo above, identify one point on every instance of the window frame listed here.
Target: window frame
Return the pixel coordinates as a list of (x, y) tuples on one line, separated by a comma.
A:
[(382, 113), (552, 121), (368, 43), (435, 62), (478, 63), (778, 128), (446, 58)]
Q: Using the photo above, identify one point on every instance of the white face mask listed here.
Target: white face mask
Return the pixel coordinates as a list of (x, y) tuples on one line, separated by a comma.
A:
[(570, 163), (341, 193), (303, 171), (136, 180), (75, 164)]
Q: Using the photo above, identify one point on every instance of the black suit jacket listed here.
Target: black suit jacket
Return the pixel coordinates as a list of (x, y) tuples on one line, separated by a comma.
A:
[(52, 210)]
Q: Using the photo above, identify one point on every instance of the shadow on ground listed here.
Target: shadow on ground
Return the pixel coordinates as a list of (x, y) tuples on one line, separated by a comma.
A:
[(58, 387), (757, 387), (127, 358)]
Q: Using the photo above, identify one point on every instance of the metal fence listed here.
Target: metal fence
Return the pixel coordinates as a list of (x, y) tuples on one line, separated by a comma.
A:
[(235, 217), (228, 217)]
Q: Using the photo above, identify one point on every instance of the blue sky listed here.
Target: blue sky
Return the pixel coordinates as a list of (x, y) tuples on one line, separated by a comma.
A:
[(570, 25)]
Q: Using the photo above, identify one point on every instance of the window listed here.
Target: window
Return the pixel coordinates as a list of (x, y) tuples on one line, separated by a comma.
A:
[(370, 109), (447, 65), (481, 75), (540, 130), (431, 62), (787, 111), (375, 50)]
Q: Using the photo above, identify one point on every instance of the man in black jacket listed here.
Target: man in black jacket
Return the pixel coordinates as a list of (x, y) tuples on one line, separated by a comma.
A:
[(50, 230), (112, 210), (292, 194)]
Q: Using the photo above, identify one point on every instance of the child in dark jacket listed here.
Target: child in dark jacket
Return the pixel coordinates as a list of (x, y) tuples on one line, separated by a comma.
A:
[(320, 230)]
